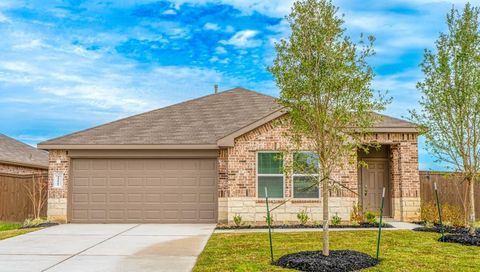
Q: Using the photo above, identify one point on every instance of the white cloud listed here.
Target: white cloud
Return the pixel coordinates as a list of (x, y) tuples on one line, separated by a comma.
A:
[(229, 29), (244, 39), (220, 50), (269, 7), (211, 26), (170, 12), (4, 19)]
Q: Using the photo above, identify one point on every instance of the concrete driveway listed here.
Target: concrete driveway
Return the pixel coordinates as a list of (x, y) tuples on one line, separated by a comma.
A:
[(106, 247)]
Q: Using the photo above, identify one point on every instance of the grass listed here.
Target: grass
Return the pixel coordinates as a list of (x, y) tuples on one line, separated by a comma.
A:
[(8, 230), (9, 226), (400, 250)]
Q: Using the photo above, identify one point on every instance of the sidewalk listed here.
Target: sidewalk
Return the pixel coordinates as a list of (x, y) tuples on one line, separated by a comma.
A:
[(396, 226)]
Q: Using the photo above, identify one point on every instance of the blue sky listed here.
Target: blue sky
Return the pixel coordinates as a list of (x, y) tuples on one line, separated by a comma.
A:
[(69, 65)]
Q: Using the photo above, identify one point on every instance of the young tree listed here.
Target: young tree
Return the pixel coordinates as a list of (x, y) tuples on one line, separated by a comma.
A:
[(37, 193), (325, 84), (450, 103)]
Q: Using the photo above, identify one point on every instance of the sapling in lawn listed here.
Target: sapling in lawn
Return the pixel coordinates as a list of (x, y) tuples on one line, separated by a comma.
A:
[(325, 85), (449, 112)]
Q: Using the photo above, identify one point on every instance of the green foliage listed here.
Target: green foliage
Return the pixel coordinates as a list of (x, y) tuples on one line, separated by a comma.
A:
[(269, 222), (9, 226), (451, 215), (303, 217), (30, 223), (450, 102), (237, 219), (356, 215), (370, 217), (325, 85), (336, 220)]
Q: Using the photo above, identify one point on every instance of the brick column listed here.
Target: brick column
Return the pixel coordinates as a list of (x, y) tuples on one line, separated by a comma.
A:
[(58, 162)]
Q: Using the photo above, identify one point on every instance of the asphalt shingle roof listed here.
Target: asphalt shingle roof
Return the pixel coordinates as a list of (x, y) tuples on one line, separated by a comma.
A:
[(200, 121), (17, 152)]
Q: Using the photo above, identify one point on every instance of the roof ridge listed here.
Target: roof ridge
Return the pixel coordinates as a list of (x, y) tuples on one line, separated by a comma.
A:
[(20, 142), (154, 110), (396, 118)]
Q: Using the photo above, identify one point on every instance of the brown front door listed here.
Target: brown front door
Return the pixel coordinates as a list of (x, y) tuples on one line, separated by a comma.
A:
[(372, 180)]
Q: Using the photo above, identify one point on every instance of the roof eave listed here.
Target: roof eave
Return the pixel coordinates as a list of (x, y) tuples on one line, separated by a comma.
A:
[(229, 140), (394, 130), (124, 147), (28, 165)]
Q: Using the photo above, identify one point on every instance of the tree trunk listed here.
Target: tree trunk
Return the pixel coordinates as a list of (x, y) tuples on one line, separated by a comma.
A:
[(471, 185), (326, 247)]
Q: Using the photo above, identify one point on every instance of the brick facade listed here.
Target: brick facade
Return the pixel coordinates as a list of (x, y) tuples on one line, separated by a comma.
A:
[(237, 179), (58, 162), (21, 170)]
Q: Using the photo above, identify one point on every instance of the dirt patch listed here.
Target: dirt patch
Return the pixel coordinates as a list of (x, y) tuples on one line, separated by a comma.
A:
[(190, 246), (468, 240), (337, 261)]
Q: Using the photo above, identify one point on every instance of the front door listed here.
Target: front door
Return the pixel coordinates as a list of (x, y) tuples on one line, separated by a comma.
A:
[(372, 180)]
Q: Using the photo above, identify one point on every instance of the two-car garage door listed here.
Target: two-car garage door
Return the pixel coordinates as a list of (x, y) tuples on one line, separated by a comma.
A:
[(143, 190)]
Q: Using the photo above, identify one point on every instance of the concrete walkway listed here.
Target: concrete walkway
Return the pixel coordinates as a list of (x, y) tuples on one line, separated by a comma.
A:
[(106, 247), (396, 226)]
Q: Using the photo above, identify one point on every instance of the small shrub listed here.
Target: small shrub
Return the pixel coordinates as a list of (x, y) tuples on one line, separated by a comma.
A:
[(303, 217), (237, 219), (336, 220), (29, 223), (356, 216), (451, 215), (271, 220), (370, 217)]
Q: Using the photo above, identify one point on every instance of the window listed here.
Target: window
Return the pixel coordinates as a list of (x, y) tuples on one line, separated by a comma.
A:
[(57, 180), (270, 174), (305, 175)]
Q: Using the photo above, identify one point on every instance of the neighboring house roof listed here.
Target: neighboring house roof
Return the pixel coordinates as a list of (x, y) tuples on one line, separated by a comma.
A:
[(205, 122), (17, 153)]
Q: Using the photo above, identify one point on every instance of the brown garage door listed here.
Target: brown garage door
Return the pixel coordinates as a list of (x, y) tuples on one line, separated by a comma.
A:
[(143, 190)]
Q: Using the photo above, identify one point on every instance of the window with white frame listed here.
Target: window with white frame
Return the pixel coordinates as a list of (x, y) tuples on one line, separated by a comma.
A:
[(270, 174), (305, 175)]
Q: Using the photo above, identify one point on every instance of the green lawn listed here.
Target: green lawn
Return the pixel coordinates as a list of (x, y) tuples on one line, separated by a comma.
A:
[(8, 230), (401, 250)]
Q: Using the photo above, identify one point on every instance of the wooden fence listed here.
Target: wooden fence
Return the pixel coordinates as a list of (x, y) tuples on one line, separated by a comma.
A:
[(15, 205), (451, 190)]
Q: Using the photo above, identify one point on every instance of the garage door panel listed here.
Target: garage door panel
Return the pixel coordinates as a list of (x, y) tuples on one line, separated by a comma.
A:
[(143, 190)]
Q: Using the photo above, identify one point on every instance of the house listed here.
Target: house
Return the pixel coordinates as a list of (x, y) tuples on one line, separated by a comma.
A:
[(21, 159), (209, 159)]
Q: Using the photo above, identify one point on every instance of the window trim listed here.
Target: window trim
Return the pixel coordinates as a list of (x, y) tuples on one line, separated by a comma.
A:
[(269, 175), (303, 175)]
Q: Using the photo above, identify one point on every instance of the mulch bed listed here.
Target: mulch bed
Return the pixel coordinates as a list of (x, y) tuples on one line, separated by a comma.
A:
[(337, 261), (359, 226), (467, 240), (41, 225), (446, 229)]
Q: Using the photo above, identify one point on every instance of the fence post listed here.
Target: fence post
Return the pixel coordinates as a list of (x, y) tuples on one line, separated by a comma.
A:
[(269, 226), (439, 208), (380, 224)]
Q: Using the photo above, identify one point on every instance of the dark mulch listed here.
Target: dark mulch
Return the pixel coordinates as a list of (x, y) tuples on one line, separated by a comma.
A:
[(359, 226), (446, 229), (41, 225), (337, 261), (468, 240)]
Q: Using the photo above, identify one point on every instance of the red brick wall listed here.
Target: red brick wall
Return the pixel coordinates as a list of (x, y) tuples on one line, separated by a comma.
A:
[(237, 166), (21, 170)]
